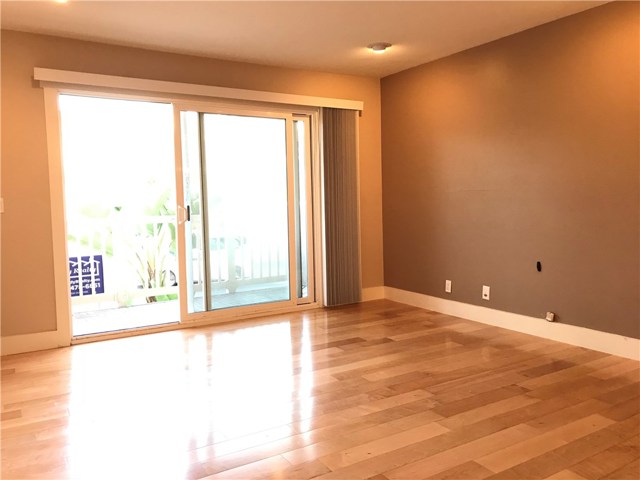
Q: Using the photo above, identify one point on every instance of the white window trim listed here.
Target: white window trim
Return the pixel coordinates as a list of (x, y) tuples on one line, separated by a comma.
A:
[(57, 78)]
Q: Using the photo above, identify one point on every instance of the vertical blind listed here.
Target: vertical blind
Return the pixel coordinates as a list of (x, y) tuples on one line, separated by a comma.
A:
[(342, 223)]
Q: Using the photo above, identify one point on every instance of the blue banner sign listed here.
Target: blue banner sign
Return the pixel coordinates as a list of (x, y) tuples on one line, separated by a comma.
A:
[(86, 276), (74, 276)]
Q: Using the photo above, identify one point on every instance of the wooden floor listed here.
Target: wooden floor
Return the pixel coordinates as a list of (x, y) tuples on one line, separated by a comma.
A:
[(375, 391)]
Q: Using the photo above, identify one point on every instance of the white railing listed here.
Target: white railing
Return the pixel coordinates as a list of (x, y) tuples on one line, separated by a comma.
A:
[(240, 263)]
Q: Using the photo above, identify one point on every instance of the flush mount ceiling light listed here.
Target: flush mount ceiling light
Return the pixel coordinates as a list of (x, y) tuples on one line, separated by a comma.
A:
[(379, 47)]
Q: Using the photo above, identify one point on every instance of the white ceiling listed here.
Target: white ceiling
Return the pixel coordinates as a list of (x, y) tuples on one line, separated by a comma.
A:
[(319, 35)]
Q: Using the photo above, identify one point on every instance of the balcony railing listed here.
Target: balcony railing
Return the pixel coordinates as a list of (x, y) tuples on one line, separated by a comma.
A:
[(141, 265)]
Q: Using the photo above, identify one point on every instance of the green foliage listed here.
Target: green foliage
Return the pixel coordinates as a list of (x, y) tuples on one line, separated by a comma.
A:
[(166, 298), (156, 243)]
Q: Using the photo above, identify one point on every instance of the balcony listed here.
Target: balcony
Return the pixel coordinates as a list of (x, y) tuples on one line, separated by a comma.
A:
[(127, 273)]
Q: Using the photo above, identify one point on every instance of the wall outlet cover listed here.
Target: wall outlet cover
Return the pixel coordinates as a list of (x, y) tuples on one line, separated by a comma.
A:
[(486, 292)]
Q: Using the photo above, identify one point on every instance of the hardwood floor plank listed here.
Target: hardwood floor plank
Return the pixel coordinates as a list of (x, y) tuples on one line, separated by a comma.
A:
[(380, 424), (565, 475), (626, 392), (568, 414), (631, 471), (304, 471), (626, 367), (453, 457), (10, 415), (479, 400), (267, 468), (382, 445), (609, 460), (623, 410), (573, 452), (466, 470), (582, 365), (520, 452), (489, 410)]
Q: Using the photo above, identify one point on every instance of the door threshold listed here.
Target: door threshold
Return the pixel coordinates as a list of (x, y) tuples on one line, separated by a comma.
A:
[(130, 332), (232, 321)]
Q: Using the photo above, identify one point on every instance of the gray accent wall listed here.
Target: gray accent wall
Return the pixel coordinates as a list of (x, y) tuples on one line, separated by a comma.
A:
[(522, 150)]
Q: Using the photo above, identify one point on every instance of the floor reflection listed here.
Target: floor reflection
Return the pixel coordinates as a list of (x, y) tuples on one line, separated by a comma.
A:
[(186, 397), (126, 409), (251, 379), (305, 378)]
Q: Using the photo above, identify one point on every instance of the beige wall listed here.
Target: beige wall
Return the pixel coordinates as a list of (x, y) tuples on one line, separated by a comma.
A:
[(521, 150), (28, 303)]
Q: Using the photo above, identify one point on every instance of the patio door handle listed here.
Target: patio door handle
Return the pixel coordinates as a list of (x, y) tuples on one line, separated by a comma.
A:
[(184, 214)]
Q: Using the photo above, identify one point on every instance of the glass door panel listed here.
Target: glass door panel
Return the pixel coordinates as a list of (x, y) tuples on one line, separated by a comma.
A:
[(241, 224), (120, 198), (245, 172)]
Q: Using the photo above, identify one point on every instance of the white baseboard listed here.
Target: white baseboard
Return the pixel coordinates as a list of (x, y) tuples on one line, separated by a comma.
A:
[(582, 337), (372, 293), (33, 341)]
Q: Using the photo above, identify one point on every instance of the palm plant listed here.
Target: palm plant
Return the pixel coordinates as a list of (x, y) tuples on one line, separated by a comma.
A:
[(153, 249)]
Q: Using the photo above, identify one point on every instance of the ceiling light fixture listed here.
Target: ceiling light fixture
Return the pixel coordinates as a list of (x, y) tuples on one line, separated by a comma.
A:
[(379, 47)]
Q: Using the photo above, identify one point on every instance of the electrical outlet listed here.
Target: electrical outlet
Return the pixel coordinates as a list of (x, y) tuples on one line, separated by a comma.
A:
[(447, 286), (486, 292)]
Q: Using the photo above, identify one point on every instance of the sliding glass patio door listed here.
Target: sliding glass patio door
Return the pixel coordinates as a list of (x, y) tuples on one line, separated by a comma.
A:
[(120, 218), (245, 219)]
